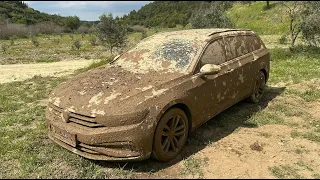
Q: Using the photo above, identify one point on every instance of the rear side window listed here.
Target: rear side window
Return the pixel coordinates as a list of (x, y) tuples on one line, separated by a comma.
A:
[(253, 43), (214, 53), (240, 45)]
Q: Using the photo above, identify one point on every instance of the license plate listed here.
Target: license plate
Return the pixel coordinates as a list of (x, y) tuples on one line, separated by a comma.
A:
[(64, 136)]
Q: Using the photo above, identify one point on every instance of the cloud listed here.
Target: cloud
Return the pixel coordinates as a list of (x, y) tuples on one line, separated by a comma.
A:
[(86, 10)]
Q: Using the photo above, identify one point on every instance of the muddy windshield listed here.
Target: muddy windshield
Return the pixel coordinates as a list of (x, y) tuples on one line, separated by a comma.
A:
[(172, 53)]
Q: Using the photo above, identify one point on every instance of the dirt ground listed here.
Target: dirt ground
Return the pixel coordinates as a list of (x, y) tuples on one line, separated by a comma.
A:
[(20, 72)]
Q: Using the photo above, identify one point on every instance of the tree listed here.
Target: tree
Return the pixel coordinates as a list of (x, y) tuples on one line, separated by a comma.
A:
[(295, 11), (72, 22), (110, 32), (212, 17), (268, 5)]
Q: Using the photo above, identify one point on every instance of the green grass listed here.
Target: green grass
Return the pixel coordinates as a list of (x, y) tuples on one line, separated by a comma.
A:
[(96, 64), (192, 166), (261, 21), (54, 47), (286, 66), (47, 60), (285, 171)]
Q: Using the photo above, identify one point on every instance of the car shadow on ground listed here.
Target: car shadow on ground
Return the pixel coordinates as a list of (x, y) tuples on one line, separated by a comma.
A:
[(215, 129)]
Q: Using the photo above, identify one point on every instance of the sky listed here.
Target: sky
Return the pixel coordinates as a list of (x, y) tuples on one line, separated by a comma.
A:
[(86, 10)]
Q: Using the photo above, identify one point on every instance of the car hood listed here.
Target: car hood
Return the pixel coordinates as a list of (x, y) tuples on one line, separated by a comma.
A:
[(110, 90)]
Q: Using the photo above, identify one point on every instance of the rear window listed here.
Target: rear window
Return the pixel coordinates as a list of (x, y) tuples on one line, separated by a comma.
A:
[(240, 45)]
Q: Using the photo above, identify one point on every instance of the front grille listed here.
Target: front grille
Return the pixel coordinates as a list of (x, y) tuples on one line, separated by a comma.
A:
[(74, 117)]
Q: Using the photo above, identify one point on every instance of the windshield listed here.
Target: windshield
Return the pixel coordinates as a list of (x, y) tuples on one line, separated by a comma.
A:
[(161, 52)]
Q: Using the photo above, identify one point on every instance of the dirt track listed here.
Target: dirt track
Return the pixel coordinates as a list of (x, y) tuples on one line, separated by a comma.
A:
[(20, 72)]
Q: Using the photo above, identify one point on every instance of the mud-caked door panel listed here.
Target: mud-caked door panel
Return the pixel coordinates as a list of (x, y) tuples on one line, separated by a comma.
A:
[(211, 89), (240, 61)]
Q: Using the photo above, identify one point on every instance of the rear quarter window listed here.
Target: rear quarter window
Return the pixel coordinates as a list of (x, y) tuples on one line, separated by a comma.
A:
[(240, 45)]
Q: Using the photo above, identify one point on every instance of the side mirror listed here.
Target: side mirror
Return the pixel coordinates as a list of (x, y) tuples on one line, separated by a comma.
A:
[(209, 69)]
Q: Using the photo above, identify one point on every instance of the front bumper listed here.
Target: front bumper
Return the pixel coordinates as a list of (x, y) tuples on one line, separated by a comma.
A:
[(87, 152), (125, 143)]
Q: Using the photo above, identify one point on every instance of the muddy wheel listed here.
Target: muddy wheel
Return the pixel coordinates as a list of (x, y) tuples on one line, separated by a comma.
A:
[(171, 135), (259, 87)]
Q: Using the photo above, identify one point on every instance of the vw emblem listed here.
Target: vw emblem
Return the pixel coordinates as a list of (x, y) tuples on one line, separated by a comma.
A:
[(65, 116)]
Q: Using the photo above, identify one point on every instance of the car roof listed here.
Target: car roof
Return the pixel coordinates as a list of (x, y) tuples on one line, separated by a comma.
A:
[(203, 34)]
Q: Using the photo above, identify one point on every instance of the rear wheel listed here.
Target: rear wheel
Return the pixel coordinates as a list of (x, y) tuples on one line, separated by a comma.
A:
[(259, 88), (171, 135)]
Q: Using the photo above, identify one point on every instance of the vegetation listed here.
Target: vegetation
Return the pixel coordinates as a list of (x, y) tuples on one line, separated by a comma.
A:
[(161, 14), (310, 27), (111, 32), (71, 23), (212, 15), (19, 12)]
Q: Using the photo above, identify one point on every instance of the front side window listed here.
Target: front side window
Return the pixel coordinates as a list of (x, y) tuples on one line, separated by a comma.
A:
[(214, 53)]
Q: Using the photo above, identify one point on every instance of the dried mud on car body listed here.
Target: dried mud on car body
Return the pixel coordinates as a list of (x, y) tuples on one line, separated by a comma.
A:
[(131, 93)]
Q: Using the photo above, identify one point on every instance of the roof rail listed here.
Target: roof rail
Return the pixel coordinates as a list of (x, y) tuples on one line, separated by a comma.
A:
[(229, 30)]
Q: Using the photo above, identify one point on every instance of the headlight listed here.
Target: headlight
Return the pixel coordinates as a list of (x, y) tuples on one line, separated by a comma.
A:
[(122, 120)]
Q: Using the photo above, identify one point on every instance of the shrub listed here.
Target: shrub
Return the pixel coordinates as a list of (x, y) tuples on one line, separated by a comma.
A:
[(311, 26), (283, 39), (4, 47), (211, 17), (56, 41), (12, 40), (93, 40), (35, 42), (76, 44), (143, 35), (83, 30), (8, 30), (138, 28)]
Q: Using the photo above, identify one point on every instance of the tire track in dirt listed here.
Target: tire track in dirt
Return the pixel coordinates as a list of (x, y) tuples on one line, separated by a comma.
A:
[(20, 72)]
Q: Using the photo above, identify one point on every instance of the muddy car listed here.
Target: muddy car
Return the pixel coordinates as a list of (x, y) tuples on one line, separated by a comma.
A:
[(148, 100)]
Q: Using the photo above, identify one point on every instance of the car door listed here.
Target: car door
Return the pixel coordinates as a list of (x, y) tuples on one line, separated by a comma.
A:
[(212, 90), (239, 61)]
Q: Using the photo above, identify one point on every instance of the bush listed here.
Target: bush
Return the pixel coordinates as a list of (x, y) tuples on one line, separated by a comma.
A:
[(12, 41), (85, 30), (93, 40), (76, 44), (8, 30), (143, 35), (211, 17), (4, 47), (311, 28), (283, 39), (20, 30), (35, 42), (138, 28)]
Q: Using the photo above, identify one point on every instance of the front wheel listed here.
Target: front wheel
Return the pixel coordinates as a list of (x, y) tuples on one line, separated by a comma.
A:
[(258, 90), (171, 135)]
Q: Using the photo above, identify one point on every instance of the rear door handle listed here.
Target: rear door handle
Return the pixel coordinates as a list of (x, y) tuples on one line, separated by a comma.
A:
[(230, 70)]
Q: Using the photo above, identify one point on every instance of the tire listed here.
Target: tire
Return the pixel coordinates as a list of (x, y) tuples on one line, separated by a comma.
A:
[(258, 89), (171, 135)]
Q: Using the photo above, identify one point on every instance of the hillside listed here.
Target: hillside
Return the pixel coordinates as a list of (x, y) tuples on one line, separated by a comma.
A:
[(244, 15), (19, 12), (257, 18), (162, 13)]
